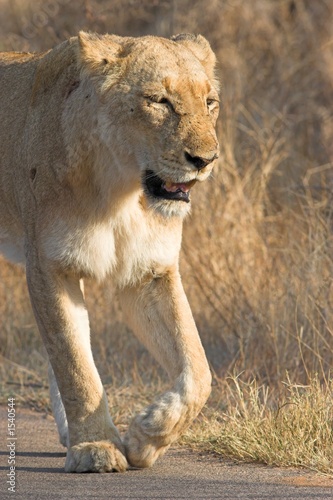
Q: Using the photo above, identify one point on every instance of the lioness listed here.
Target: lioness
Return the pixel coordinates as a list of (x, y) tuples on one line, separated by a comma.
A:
[(101, 140)]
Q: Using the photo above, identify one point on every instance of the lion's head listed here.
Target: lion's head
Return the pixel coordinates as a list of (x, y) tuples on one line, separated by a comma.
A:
[(158, 102)]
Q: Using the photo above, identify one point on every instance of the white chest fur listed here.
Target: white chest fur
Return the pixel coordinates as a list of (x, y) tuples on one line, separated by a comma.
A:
[(124, 247)]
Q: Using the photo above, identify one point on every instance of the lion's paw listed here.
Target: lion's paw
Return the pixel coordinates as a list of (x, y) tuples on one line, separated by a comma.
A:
[(99, 456), (142, 451)]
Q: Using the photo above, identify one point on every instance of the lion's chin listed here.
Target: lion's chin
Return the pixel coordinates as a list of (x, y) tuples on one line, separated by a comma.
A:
[(167, 197), (169, 209)]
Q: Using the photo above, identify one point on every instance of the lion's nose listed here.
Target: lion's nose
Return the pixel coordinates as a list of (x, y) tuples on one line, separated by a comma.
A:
[(200, 162)]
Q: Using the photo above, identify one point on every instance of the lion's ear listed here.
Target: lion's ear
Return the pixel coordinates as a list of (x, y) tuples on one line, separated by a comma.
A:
[(96, 52), (200, 48)]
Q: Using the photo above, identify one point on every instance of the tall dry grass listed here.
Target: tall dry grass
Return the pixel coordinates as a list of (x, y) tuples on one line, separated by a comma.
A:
[(288, 428), (257, 258)]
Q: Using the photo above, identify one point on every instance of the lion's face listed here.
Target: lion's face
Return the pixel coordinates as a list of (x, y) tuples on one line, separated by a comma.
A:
[(159, 101)]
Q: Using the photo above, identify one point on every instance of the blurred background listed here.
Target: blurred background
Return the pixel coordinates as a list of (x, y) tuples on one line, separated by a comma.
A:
[(257, 259)]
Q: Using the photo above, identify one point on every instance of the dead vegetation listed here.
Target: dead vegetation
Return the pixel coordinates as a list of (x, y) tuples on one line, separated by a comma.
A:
[(257, 258)]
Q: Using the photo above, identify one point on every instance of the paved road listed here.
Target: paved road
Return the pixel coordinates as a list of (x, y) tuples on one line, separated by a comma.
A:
[(181, 474)]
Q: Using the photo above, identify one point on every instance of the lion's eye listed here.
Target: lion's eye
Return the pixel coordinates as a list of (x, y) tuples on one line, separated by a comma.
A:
[(158, 100), (212, 104)]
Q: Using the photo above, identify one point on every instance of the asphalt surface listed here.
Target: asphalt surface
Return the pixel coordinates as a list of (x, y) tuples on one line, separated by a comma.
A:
[(180, 474)]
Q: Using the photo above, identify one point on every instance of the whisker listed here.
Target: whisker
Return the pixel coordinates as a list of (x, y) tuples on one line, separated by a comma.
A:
[(155, 173)]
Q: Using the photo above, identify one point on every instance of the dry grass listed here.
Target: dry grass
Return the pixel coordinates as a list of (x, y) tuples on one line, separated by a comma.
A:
[(260, 281), (276, 429)]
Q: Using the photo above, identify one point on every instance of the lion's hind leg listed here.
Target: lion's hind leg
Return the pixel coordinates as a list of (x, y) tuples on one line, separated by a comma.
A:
[(58, 409)]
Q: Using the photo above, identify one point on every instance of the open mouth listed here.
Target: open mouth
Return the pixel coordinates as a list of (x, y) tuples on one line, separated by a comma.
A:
[(157, 187)]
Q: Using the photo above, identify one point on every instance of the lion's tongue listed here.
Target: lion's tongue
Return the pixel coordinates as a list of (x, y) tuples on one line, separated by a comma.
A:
[(173, 187)]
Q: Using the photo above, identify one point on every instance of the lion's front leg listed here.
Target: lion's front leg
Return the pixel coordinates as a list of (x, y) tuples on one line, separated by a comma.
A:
[(158, 312), (93, 441)]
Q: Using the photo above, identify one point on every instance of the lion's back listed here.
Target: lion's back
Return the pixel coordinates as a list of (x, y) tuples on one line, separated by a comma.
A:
[(16, 78), (30, 102), (17, 75)]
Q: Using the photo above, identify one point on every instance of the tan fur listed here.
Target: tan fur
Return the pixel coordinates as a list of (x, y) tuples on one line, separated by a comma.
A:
[(83, 128)]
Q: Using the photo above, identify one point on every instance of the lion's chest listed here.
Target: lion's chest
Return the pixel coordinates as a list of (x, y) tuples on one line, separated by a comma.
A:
[(124, 248)]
